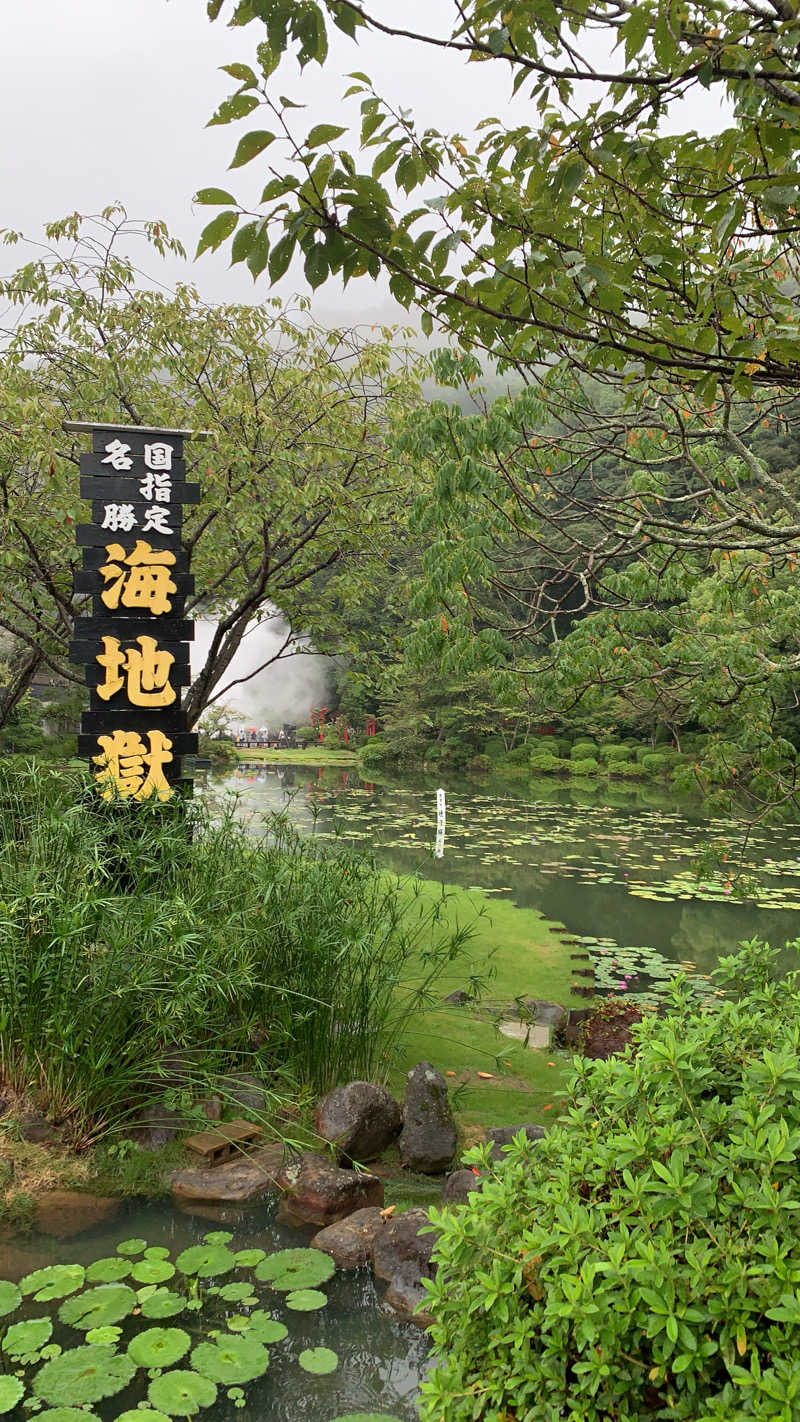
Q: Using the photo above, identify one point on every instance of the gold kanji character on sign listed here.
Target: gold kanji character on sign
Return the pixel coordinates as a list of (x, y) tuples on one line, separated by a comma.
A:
[(132, 768), (146, 672), (139, 579)]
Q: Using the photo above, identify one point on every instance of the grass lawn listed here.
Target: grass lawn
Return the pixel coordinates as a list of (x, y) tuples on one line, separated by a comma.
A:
[(493, 1080), (310, 756)]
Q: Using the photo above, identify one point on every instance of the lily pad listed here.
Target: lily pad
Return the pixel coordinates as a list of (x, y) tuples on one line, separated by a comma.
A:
[(84, 1374), (152, 1271), (306, 1300), (231, 1359), (181, 1393), (156, 1251), (10, 1297), (23, 1339), (54, 1282), (319, 1360), (141, 1414), (106, 1333), (67, 1414), (159, 1347), (108, 1303), (206, 1260), (246, 1258), (164, 1303), (108, 1271), (132, 1246), (11, 1390), (235, 1293), (218, 1236), (295, 1269), (261, 1326)]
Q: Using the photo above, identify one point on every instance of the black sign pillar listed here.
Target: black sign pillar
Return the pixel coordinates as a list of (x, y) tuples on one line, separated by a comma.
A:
[(135, 645)]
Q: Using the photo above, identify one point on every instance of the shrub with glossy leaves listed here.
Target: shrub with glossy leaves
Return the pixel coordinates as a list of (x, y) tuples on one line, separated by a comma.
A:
[(642, 1262)]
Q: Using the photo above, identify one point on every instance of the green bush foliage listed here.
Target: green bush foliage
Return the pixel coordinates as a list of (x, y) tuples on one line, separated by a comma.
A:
[(583, 749), (655, 763), (543, 760), (137, 934), (612, 752), (587, 765), (643, 1261)]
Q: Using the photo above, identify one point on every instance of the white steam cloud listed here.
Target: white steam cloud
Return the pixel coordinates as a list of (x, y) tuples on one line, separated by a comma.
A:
[(284, 692)]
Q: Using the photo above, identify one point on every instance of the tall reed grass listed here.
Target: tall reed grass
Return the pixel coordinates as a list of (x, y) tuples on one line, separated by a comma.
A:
[(141, 945)]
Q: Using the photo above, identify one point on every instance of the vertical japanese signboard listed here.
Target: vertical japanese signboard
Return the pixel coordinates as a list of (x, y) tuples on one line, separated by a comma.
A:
[(135, 643)]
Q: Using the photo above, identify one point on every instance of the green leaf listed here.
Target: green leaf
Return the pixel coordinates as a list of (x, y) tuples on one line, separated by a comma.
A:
[(10, 1297), (213, 197), (53, 1282), (324, 133), (236, 107), (108, 1303), (250, 146), (159, 1347), (288, 1269), (217, 231), (242, 72), (181, 1393), (243, 241), (206, 1260), (318, 1360), (84, 1374), (11, 1390), (635, 30), (316, 265), (280, 257), (234, 1358)]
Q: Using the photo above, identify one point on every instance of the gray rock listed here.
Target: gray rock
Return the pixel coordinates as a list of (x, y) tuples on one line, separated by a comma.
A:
[(235, 1181), (538, 1010), (244, 1092), (34, 1127), (349, 1242), (155, 1126), (500, 1136), (459, 996), (360, 1119), (318, 1192), (400, 1242), (211, 1107), (428, 1137), (405, 1292), (460, 1185)]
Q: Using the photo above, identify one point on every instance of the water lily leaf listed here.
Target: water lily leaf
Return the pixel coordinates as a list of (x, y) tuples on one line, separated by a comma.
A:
[(139, 1414), (132, 1246), (262, 1326), (156, 1251), (24, 1338), (295, 1269), (159, 1347), (164, 1303), (231, 1359), (108, 1303), (108, 1271), (306, 1300), (152, 1271), (107, 1333), (68, 1414), (235, 1293), (84, 1374), (181, 1394), (218, 1236), (319, 1360), (246, 1258), (206, 1260), (11, 1390), (54, 1282), (10, 1297)]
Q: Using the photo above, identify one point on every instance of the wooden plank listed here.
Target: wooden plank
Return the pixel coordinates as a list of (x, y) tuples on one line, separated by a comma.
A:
[(109, 624), (223, 1138)]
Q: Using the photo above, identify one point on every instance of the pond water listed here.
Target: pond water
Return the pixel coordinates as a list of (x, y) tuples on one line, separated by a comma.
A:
[(615, 865), (381, 1359)]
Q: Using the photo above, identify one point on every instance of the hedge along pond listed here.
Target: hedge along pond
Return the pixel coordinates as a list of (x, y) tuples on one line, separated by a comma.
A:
[(615, 864), (168, 1315)]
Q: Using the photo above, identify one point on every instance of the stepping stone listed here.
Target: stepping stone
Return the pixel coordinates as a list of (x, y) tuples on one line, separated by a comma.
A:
[(236, 1181), (533, 1034)]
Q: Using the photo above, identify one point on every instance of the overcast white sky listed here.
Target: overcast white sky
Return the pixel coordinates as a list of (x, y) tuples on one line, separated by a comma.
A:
[(108, 99)]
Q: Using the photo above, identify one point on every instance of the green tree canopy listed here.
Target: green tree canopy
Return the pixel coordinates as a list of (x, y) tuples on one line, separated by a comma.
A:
[(297, 478)]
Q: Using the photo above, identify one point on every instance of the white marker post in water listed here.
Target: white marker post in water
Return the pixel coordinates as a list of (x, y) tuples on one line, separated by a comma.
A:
[(441, 820)]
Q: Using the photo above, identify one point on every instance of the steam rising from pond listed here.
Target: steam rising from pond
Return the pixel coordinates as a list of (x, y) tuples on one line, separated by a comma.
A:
[(282, 692)]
